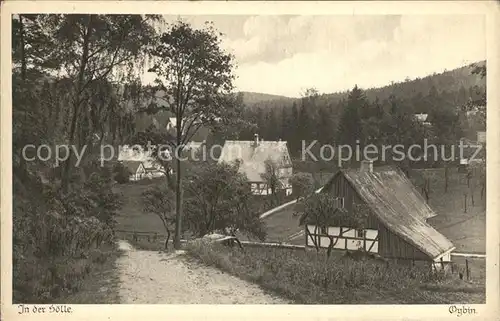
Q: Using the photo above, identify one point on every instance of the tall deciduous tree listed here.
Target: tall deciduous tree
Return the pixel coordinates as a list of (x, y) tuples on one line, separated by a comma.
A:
[(272, 179), (89, 50), (193, 82)]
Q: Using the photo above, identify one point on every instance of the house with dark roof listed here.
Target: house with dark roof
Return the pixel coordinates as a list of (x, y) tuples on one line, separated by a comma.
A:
[(254, 157), (136, 169), (396, 225)]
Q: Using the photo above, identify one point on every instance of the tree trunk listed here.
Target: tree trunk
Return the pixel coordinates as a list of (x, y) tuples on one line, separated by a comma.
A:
[(23, 54), (22, 161), (168, 239), (76, 102), (178, 205), (445, 178), (316, 238)]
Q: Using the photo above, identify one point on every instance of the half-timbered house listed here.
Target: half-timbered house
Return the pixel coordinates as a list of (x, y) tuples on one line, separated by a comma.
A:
[(395, 225), (253, 156)]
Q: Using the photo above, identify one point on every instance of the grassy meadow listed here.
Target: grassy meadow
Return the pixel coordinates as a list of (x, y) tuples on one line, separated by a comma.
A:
[(131, 216), (465, 229)]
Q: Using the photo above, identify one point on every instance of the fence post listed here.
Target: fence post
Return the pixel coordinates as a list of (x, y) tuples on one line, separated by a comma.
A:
[(467, 268), (465, 202)]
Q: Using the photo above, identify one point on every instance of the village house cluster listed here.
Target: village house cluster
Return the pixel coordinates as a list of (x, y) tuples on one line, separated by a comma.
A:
[(256, 158)]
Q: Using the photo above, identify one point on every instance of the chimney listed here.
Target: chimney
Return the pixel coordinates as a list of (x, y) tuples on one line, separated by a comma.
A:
[(366, 166), (256, 140)]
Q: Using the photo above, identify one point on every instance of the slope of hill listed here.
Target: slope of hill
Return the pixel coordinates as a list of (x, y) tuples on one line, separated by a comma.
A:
[(252, 98), (449, 81), (452, 82)]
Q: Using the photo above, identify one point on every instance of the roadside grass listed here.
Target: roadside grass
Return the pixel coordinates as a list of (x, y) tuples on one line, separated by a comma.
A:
[(102, 284), (87, 280), (308, 278)]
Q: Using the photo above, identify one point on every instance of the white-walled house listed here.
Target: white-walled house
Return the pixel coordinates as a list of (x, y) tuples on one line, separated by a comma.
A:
[(136, 170), (139, 163), (253, 156), (481, 137), (422, 118)]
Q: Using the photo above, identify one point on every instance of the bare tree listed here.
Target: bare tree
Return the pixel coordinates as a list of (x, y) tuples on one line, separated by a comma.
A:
[(272, 179)]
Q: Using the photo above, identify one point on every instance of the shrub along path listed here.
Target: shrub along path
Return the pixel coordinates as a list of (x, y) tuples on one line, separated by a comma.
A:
[(148, 277)]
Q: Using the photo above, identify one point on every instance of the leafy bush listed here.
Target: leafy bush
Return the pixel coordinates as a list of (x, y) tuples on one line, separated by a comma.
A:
[(121, 173), (58, 237), (218, 199), (302, 183)]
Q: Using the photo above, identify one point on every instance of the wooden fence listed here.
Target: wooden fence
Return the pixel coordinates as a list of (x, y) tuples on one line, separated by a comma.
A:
[(151, 237)]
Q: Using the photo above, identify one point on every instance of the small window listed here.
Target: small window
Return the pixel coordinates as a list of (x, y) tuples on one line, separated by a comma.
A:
[(360, 233), (340, 202), (324, 230)]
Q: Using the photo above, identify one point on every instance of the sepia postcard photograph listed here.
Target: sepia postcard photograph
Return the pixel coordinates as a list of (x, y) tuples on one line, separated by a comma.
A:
[(309, 159)]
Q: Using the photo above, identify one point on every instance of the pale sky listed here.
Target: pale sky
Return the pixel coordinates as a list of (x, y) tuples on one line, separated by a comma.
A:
[(284, 54)]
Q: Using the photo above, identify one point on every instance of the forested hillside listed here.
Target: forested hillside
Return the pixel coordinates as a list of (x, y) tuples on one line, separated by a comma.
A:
[(374, 113), (252, 98), (447, 81)]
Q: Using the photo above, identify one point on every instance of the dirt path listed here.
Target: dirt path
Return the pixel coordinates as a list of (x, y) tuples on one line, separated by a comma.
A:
[(148, 277)]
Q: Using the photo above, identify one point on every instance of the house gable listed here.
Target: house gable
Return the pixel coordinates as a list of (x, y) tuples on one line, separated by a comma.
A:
[(402, 233), (253, 157)]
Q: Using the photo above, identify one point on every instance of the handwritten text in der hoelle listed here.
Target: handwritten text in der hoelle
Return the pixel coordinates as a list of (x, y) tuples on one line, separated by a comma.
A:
[(44, 309)]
